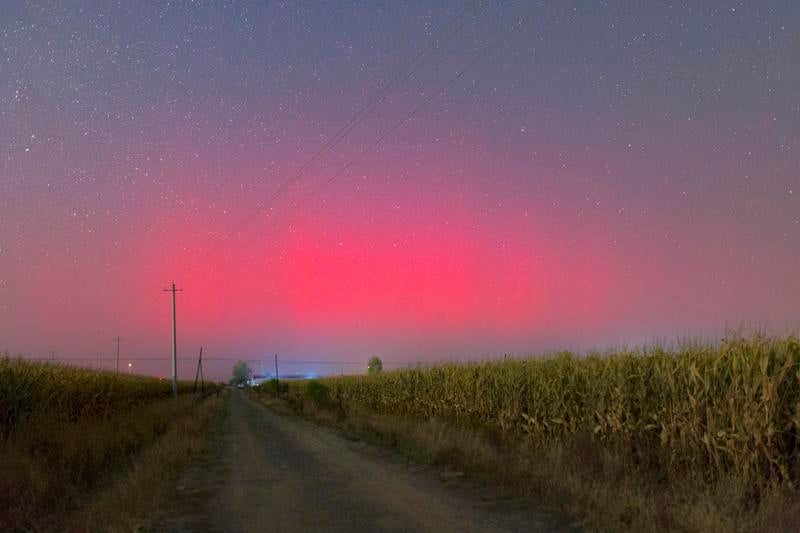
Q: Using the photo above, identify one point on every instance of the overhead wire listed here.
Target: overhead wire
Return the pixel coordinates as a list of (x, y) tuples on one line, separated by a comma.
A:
[(417, 62), (409, 70), (397, 125), (436, 43), (220, 359)]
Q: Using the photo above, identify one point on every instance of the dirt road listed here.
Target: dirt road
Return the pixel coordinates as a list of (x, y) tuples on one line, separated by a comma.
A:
[(266, 472)]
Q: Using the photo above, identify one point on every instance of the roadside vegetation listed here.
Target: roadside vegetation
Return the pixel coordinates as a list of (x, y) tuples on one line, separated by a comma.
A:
[(241, 374), (72, 440), (273, 387), (701, 437)]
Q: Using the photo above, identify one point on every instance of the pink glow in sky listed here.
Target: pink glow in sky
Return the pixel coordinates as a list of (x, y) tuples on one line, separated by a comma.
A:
[(606, 175)]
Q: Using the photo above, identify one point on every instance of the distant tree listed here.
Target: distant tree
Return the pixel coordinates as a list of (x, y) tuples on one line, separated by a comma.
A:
[(375, 365), (241, 373)]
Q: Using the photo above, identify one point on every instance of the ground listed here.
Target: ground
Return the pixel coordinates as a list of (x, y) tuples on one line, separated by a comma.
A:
[(268, 472)]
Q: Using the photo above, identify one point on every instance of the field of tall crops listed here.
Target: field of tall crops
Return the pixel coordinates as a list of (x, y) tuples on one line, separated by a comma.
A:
[(67, 433), (731, 408), (32, 389)]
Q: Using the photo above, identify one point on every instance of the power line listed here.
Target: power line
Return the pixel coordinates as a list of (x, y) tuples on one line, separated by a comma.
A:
[(359, 116), (405, 119), (417, 62), (361, 363), (229, 359), (403, 75)]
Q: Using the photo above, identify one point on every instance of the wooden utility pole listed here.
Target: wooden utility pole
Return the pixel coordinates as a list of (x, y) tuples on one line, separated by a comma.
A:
[(117, 340), (199, 373), (277, 379), (173, 290)]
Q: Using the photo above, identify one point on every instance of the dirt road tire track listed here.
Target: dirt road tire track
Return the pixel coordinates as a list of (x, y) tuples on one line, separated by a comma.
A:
[(266, 472)]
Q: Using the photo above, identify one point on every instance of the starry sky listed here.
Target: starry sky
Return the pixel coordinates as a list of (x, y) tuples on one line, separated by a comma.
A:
[(568, 174)]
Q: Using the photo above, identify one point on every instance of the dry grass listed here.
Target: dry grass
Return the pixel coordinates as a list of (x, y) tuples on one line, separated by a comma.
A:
[(31, 389), (700, 439), (135, 499), (59, 452), (596, 488)]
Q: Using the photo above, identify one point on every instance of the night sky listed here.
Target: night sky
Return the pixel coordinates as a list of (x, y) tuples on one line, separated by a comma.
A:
[(605, 173)]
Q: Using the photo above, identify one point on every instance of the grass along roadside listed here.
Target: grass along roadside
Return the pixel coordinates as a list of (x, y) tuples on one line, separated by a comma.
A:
[(30, 389), (135, 500), (53, 472), (698, 439), (58, 460), (596, 489)]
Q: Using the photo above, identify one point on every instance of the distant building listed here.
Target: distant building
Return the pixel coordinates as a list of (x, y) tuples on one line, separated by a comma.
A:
[(258, 379), (295, 377)]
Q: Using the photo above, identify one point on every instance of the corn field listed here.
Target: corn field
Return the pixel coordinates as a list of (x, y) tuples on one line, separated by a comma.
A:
[(34, 389), (731, 408)]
